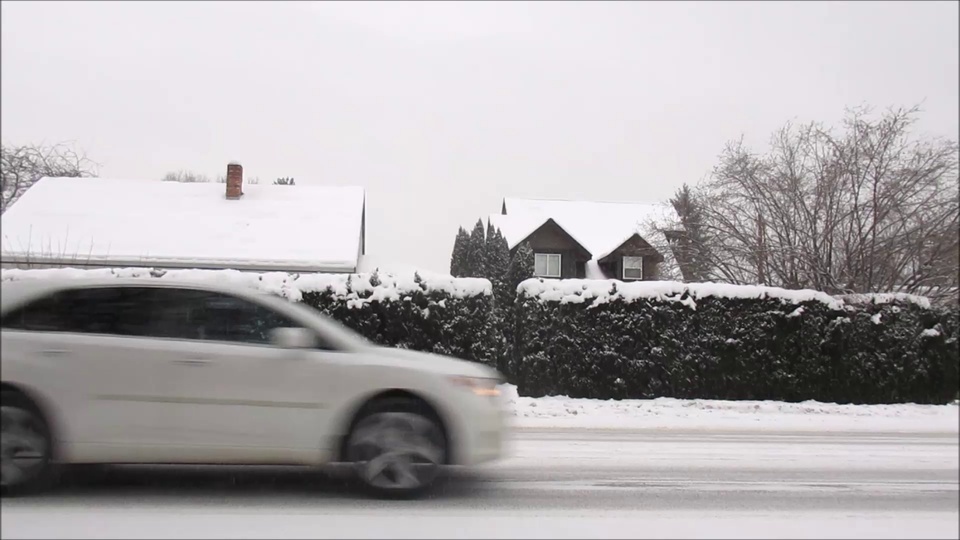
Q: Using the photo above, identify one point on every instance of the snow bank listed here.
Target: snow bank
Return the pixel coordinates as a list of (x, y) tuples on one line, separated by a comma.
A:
[(602, 291), (669, 413), (292, 286)]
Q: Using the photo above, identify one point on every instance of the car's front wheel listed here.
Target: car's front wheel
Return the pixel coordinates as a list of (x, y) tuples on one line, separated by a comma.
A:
[(397, 449), (24, 446)]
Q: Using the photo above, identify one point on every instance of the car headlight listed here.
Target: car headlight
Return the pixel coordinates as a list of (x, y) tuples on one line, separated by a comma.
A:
[(478, 385)]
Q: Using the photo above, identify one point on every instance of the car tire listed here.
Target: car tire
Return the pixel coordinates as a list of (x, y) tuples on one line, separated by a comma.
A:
[(397, 448), (25, 446)]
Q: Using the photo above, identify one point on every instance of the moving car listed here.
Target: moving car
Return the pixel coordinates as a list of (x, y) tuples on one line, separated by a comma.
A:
[(123, 371)]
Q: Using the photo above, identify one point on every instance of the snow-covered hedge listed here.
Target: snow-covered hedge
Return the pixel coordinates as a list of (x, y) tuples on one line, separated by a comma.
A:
[(434, 312), (606, 339), (438, 314)]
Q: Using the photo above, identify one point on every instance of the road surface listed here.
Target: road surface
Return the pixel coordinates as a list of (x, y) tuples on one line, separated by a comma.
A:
[(556, 484)]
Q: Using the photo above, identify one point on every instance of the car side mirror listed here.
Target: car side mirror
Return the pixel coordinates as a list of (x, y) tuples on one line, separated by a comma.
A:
[(293, 338)]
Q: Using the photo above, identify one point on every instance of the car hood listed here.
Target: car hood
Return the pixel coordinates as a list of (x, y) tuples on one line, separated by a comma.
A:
[(444, 365)]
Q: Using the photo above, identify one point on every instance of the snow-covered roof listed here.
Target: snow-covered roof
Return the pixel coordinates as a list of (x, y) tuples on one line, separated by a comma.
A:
[(600, 227), (97, 221)]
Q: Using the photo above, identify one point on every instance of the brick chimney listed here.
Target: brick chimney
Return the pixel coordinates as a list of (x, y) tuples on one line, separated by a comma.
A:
[(234, 180)]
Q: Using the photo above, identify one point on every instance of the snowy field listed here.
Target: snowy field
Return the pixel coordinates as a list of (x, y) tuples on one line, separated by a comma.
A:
[(702, 414)]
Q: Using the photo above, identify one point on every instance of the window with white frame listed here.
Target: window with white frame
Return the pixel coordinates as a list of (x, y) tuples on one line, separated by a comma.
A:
[(632, 268), (546, 265)]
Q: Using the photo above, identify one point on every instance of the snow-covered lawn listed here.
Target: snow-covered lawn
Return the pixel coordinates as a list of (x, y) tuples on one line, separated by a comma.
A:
[(699, 414)]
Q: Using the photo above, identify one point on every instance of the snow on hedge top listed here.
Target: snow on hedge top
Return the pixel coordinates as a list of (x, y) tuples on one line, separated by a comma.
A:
[(291, 286), (600, 227), (173, 224), (602, 291), (886, 298)]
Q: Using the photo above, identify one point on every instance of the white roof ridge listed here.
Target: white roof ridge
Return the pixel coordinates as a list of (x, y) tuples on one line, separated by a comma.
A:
[(581, 201), (149, 180)]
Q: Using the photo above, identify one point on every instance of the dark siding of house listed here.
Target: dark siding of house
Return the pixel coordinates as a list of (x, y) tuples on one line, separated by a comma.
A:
[(634, 247), (550, 238)]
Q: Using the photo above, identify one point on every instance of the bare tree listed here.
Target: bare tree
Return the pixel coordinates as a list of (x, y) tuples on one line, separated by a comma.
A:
[(869, 210), (23, 166), (185, 177)]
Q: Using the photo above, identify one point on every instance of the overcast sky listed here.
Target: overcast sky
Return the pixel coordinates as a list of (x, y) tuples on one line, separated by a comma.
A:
[(440, 109)]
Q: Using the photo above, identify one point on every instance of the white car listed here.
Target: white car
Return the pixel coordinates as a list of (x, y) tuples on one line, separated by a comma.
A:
[(122, 371)]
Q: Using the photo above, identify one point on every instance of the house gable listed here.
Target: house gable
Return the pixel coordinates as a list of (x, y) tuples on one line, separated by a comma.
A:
[(551, 238), (635, 246)]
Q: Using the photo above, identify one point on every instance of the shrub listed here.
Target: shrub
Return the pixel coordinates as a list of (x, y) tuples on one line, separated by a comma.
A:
[(608, 339)]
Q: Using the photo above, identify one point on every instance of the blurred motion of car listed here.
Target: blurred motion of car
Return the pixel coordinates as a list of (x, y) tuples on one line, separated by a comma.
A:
[(114, 371)]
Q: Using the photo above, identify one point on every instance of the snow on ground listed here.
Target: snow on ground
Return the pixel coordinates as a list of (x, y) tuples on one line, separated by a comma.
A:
[(668, 413)]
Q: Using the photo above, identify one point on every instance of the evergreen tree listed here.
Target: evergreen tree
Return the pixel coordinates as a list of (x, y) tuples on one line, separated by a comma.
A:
[(488, 253), (521, 267), (692, 247), (476, 257), (509, 317), (458, 259), (498, 262)]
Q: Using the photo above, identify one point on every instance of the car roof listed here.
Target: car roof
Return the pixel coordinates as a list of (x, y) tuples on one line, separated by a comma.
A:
[(15, 292)]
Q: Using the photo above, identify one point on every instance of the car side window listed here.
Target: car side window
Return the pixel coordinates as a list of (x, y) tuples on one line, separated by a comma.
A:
[(47, 314), (97, 310), (158, 312), (108, 310), (213, 316), (228, 318)]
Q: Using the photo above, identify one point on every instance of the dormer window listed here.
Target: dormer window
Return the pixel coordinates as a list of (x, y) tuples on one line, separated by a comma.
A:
[(546, 265), (632, 268)]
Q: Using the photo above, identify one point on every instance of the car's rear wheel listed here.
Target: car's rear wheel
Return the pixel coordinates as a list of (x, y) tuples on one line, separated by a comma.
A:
[(397, 448), (25, 446)]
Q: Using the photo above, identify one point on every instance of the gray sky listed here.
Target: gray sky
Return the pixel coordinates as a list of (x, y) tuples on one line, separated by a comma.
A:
[(439, 109)]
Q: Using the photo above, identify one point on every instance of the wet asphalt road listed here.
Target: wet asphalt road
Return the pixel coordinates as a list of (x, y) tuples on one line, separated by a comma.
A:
[(556, 483)]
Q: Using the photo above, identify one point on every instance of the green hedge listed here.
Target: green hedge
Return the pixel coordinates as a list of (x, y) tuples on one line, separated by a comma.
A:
[(612, 340), (418, 318)]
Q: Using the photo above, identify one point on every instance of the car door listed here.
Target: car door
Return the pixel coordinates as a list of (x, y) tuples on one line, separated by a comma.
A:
[(106, 379), (240, 398)]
